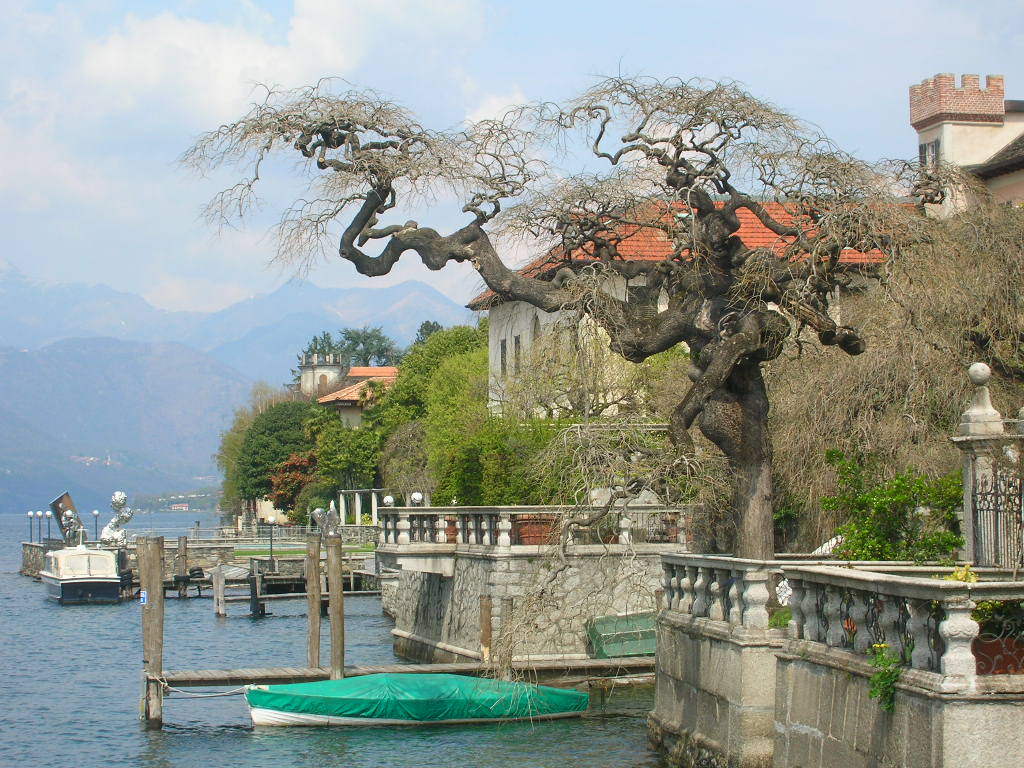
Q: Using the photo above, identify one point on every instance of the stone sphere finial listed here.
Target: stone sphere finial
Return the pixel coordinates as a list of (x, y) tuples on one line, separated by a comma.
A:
[(979, 374)]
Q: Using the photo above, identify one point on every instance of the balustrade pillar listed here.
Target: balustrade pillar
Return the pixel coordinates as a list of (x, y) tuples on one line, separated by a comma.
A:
[(917, 628), (812, 624), (460, 534), (688, 588), (402, 527), (835, 632), (670, 583), (859, 610), (735, 581), (700, 598), (755, 599), (487, 524), (889, 618), (625, 524), (441, 529), (958, 630), (796, 607), (715, 596), (504, 530)]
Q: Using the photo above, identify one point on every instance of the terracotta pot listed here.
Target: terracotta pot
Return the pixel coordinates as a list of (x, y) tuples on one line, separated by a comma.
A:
[(533, 529), (450, 531), (999, 655)]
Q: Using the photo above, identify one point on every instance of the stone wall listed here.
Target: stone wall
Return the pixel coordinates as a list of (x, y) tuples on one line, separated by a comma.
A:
[(538, 609), (715, 699), (825, 719)]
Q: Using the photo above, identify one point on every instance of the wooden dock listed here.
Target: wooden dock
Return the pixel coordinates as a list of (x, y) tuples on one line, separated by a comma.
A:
[(193, 678)]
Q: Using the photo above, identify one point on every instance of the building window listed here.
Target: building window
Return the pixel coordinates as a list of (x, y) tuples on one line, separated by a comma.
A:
[(928, 154), (504, 359), (517, 348)]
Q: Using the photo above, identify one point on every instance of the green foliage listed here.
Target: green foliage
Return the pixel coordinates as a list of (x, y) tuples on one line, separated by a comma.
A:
[(227, 459), (910, 517), (358, 346), (274, 435), (346, 457), (427, 329), (405, 401), (888, 671), (315, 494), (781, 617)]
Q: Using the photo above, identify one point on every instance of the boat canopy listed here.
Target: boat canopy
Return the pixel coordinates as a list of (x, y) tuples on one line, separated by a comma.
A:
[(418, 697), (77, 562)]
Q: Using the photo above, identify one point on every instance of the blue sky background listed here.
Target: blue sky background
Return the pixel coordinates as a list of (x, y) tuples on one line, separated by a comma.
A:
[(98, 98)]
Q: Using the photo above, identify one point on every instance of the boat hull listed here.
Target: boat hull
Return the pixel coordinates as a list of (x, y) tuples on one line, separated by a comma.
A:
[(272, 717), (91, 589)]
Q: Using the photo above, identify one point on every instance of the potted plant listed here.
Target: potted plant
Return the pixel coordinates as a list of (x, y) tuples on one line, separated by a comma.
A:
[(536, 528)]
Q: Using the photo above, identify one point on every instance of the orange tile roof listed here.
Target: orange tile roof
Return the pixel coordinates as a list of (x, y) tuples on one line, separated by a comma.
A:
[(373, 372), (647, 244), (353, 393)]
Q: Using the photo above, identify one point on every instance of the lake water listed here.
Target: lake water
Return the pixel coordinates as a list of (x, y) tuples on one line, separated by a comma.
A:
[(72, 679)]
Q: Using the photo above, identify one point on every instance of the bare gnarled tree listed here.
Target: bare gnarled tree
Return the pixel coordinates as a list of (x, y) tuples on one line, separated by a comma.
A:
[(684, 159)]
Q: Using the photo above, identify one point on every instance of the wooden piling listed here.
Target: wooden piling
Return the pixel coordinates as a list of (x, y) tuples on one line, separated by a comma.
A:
[(336, 606), (485, 627), (256, 605), (313, 610), (220, 608), (181, 566), (150, 552)]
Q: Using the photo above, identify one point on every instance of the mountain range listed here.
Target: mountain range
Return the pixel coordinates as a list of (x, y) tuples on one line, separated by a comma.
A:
[(101, 391)]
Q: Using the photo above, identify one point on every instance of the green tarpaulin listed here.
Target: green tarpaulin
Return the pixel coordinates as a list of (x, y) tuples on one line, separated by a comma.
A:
[(418, 697)]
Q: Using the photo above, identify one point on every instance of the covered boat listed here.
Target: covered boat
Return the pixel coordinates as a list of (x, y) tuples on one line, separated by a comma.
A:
[(409, 699), (81, 575)]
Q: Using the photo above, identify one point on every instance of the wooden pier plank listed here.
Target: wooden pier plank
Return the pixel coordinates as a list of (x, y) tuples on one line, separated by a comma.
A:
[(192, 678)]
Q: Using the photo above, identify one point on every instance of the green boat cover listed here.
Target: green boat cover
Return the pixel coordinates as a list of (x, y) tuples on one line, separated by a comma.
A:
[(420, 697), (615, 636)]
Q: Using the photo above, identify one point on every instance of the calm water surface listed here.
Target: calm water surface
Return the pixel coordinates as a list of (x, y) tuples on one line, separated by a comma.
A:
[(72, 678)]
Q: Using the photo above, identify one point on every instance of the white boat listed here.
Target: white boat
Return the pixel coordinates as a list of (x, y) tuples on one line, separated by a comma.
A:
[(81, 575)]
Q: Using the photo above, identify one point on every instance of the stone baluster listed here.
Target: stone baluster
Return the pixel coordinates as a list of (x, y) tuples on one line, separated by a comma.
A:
[(382, 537), (958, 630), (687, 589), (716, 597), (625, 524), (859, 615), (755, 599), (700, 598), (402, 528), (889, 618), (833, 608), (441, 526), (487, 530), (736, 583), (670, 583), (471, 532), (812, 624), (796, 606), (460, 529), (917, 628), (504, 530)]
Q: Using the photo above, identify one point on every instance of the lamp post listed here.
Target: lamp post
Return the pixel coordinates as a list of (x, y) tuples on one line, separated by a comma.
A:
[(39, 523), (30, 516), (271, 520), (95, 525), (49, 516)]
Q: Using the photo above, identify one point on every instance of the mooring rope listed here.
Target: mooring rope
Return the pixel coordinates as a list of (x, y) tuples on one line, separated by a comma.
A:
[(189, 694)]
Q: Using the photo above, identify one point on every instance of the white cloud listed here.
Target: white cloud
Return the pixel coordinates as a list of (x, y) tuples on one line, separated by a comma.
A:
[(495, 105)]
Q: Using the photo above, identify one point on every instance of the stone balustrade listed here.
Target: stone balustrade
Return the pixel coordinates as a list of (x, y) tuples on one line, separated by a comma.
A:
[(516, 526), (721, 588), (926, 622)]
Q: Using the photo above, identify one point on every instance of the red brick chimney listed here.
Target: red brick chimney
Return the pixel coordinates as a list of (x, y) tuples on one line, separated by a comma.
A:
[(938, 100)]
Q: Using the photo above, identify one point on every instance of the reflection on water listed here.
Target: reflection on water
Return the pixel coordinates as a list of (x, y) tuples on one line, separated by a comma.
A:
[(72, 682)]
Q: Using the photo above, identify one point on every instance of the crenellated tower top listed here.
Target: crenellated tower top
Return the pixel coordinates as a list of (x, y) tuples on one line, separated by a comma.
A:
[(938, 99)]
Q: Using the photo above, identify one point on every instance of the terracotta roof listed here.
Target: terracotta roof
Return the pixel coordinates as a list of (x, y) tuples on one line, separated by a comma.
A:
[(373, 372), (646, 244), (353, 393)]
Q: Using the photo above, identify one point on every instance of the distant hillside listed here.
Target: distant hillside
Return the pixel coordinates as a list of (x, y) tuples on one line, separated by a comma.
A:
[(96, 415), (259, 336)]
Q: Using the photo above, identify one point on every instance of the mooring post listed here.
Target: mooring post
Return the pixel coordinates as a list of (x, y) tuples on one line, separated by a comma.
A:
[(220, 606), (313, 608), (181, 566), (256, 605), (485, 627), (150, 554), (336, 606)]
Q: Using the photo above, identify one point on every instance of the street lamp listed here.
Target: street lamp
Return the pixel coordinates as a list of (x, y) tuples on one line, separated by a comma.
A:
[(39, 523), (271, 521), (30, 516), (49, 515), (96, 525)]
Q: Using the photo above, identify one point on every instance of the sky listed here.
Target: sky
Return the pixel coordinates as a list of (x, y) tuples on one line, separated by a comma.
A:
[(99, 98)]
